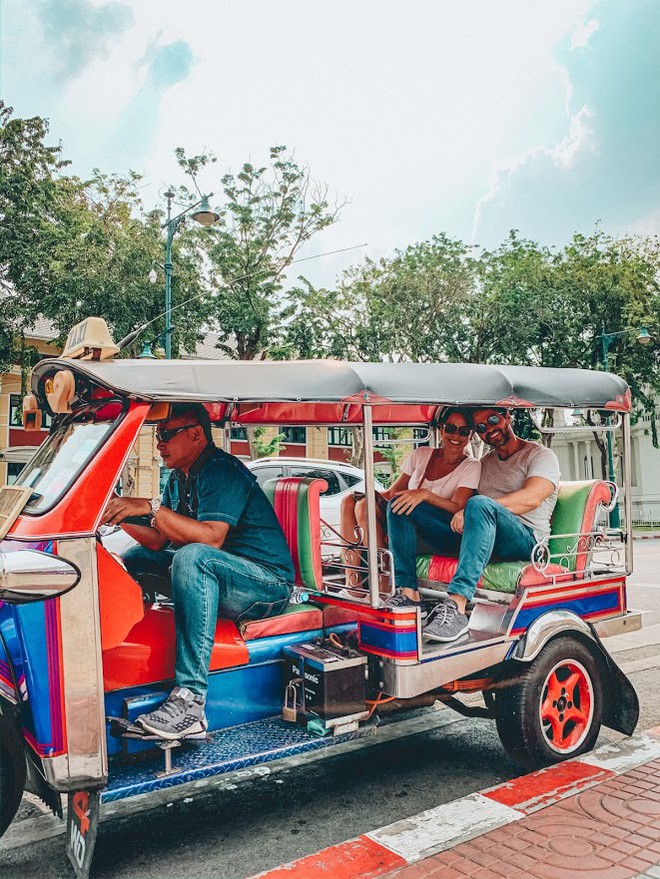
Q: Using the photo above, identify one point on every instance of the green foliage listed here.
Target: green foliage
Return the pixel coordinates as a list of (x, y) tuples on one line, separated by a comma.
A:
[(267, 448), (392, 453), (268, 213), (409, 307), (70, 248), (29, 199)]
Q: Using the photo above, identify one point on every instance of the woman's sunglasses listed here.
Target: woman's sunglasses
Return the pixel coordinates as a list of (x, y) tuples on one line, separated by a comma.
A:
[(453, 428), (492, 420), (165, 434)]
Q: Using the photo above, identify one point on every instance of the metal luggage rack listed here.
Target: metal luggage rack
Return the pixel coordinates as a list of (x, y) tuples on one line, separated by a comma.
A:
[(336, 579), (604, 551)]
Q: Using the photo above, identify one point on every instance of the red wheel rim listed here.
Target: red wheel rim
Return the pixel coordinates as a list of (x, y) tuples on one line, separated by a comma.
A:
[(567, 706)]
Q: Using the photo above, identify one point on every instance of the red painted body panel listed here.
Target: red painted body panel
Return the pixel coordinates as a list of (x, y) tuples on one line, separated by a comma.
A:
[(79, 511)]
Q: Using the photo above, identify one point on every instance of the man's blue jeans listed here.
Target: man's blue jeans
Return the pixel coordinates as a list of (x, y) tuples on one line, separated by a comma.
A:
[(207, 583), (489, 530)]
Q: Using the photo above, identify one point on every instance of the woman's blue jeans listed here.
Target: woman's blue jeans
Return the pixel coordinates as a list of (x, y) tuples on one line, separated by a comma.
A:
[(489, 530), (207, 583)]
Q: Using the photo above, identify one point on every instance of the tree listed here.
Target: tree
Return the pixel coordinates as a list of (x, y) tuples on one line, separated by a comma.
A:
[(70, 248), (548, 307), (267, 216), (409, 307), (100, 264), (28, 201)]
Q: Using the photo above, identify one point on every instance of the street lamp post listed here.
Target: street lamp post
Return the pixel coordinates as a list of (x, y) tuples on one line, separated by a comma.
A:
[(643, 337), (205, 217)]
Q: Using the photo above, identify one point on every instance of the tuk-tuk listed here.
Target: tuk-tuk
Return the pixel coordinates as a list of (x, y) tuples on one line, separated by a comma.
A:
[(84, 650)]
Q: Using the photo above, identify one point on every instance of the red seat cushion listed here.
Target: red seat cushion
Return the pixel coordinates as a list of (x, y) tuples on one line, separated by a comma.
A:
[(296, 618)]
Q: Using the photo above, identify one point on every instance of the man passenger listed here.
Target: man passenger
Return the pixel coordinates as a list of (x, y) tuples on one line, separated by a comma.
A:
[(517, 494), (228, 556)]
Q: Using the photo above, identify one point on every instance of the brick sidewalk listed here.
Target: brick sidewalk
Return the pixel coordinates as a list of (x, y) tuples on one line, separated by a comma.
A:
[(597, 816), (610, 831)]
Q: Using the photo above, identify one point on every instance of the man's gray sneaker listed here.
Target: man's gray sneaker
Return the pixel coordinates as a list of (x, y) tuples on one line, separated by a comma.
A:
[(180, 716), (446, 622)]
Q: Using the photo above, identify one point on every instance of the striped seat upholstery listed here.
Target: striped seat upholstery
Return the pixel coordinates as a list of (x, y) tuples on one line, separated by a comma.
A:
[(575, 513), (296, 504)]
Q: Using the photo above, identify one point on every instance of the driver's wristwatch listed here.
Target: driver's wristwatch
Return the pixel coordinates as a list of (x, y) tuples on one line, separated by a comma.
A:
[(155, 504)]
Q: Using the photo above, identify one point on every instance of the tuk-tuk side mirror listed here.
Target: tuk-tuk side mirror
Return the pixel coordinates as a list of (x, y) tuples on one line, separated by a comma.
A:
[(28, 575), (31, 413), (159, 412)]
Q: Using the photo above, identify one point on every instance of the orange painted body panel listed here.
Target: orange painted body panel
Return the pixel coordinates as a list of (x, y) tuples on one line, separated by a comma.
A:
[(79, 511), (148, 653), (121, 604)]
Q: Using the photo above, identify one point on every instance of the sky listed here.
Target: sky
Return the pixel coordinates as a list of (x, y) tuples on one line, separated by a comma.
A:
[(469, 117)]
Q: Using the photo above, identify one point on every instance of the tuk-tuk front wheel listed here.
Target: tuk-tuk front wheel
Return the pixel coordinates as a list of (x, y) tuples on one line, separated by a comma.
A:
[(553, 710), (12, 775)]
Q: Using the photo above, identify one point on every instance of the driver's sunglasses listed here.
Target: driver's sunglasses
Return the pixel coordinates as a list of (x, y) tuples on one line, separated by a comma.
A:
[(165, 434), (491, 421), (451, 429)]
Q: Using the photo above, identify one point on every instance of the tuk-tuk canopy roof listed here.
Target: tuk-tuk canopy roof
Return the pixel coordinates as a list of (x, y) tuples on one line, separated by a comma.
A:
[(330, 391)]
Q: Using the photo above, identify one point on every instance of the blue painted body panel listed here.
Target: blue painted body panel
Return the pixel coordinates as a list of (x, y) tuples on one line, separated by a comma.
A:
[(584, 606), (12, 679), (235, 696)]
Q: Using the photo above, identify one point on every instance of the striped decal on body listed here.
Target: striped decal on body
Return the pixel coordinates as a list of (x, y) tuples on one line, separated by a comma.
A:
[(379, 638), (590, 603)]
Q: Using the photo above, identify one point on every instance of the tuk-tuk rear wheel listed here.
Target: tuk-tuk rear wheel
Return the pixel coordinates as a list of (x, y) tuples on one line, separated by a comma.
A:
[(12, 775), (553, 710)]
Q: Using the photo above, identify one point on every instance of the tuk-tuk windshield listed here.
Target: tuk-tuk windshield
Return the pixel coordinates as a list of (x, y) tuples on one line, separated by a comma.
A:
[(68, 449)]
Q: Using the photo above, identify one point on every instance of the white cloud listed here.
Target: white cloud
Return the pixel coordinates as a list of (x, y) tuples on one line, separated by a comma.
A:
[(583, 33)]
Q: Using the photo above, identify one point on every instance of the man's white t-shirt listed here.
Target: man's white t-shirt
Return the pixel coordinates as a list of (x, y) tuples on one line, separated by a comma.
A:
[(500, 477), (466, 475)]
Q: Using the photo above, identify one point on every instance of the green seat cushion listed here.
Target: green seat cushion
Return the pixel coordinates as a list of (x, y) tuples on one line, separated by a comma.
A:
[(498, 576)]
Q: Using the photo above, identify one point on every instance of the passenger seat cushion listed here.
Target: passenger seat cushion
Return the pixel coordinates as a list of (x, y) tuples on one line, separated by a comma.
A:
[(498, 576), (296, 618)]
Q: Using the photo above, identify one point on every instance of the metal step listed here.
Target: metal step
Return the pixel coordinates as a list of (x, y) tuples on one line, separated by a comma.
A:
[(224, 751)]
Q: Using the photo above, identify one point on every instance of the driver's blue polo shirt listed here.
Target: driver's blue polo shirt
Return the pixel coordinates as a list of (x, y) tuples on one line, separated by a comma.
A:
[(220, 488)]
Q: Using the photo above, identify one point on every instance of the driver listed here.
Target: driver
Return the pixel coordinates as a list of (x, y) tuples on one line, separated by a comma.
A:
[(228, 556)]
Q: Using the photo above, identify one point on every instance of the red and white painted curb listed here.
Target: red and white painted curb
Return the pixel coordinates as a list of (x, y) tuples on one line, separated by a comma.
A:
[(389, 848)]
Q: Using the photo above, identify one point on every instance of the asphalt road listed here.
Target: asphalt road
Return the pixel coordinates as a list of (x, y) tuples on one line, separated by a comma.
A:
[(235, 831)]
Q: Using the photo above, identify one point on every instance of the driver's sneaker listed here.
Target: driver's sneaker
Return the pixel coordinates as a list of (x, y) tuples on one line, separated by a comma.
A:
[(180, 716), (447, 623)]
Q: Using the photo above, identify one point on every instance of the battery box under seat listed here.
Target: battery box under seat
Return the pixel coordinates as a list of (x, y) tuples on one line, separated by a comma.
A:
[(570, 546)]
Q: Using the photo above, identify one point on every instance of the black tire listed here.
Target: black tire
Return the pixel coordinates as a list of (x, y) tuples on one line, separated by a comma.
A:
[(553, 711), (12, 774)]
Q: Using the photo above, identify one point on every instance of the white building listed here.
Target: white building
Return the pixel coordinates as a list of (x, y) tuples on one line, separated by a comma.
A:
[(579, 458)]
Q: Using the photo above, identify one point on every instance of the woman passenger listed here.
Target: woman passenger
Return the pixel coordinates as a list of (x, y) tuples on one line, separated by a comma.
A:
[(444, 478)]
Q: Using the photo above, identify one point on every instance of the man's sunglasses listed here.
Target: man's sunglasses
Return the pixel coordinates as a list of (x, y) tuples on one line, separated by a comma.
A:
[(491, 421), (451, 429), (165, 434)]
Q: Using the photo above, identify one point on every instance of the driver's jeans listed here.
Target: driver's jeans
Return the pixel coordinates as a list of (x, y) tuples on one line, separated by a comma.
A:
[(207, 583), (489, 530)]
